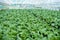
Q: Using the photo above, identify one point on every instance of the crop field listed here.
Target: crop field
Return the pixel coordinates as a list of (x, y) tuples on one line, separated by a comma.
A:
[(29, 24)]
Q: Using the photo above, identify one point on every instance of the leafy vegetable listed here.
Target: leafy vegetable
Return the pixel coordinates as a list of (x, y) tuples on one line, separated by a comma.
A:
[(29, 24)]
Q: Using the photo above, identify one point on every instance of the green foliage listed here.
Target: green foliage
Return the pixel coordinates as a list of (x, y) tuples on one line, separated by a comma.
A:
[(29, 24)]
